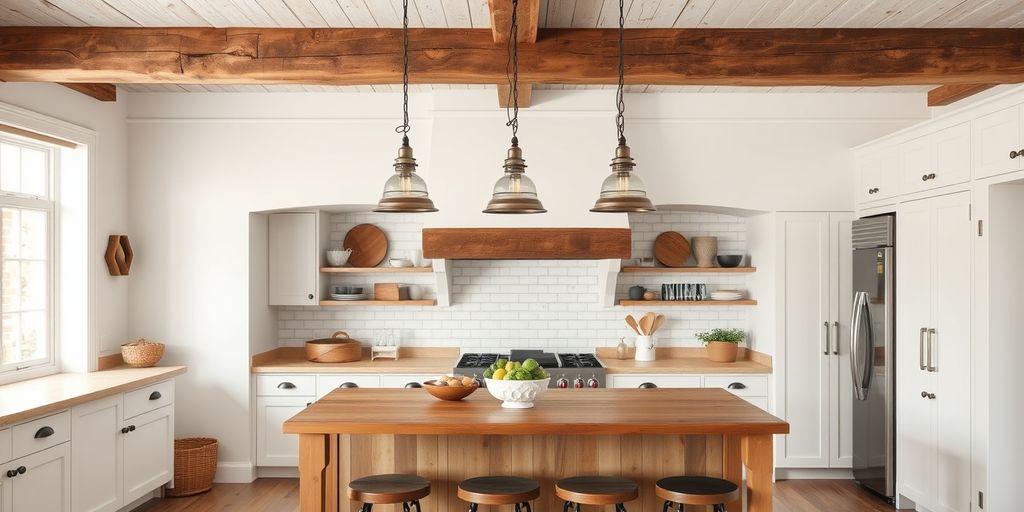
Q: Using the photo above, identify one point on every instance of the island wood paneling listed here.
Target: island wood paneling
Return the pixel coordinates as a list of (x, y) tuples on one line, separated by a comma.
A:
[(447, 460)]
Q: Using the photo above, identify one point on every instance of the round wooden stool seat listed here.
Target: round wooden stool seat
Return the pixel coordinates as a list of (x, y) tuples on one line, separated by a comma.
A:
[(498, 490), (697, 490), (596, 490), (385, 489)]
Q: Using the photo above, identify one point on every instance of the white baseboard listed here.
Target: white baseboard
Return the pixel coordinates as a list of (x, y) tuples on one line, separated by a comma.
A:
[(277, 472), (813, 474), (234, 473)]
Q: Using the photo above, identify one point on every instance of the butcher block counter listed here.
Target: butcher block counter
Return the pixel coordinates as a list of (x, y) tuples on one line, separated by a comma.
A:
[(431, 360), (642, 434), (685, 360)]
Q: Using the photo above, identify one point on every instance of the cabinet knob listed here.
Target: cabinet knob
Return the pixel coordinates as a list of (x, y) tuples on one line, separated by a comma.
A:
[(11, 473), (929, 176), (286, 385), (131, 428), (125, 430), (309, 404), (155, 395), (348, 385), (929, 396), (873, 190), (310, 296), (21, 470), (648, 385), (737, 385), (44, 433), (1015, 154)]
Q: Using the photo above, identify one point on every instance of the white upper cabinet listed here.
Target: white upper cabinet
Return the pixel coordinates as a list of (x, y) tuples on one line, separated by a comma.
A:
[(998, 142), (877, 174), (936, 160), (294, 259)]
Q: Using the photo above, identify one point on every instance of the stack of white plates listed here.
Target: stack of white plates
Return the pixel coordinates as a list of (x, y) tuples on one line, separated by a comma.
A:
[(348, 296), (724, 294)]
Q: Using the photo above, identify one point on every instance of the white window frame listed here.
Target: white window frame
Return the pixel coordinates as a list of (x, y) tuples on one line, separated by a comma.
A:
[(50, 365)]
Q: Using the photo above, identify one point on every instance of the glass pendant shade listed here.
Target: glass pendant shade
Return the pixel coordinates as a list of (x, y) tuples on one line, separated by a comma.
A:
[(623, 191), (405, 191), (514, 192)]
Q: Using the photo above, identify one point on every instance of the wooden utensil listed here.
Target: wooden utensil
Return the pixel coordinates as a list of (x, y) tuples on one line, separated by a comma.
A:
[(658, 322), (646, 322), (671, 249), (632, 323), (369, 245)]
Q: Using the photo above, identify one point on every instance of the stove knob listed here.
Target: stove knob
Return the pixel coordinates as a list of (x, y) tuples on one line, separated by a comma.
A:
[(578, 383), (593, 383), (562, 383)]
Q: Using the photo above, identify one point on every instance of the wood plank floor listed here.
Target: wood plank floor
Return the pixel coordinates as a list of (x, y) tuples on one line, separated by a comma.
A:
[(282, 495)]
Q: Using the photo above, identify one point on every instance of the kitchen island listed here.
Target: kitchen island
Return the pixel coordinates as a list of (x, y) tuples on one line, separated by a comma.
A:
[(642, 434)]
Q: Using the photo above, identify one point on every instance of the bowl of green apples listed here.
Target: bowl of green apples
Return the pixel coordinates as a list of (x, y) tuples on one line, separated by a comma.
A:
[(516, 383)]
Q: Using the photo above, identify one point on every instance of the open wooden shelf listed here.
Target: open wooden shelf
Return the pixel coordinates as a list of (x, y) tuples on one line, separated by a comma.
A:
[(685, 303), (424, 302), (694, 270), (375, 270)]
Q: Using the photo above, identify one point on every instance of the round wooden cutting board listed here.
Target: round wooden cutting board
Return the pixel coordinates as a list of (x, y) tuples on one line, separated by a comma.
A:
[(369, 245), (671, 249)]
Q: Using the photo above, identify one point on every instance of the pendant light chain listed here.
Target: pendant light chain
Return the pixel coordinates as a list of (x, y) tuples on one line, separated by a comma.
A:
[(404, 127), (512, 73), (620, 119)]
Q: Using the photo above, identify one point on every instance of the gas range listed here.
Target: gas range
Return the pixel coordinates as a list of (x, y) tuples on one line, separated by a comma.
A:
[(567, 370)]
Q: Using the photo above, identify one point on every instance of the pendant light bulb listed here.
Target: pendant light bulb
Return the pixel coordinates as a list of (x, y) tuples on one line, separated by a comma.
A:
[(622, 191), (514, 192), (405, 191)]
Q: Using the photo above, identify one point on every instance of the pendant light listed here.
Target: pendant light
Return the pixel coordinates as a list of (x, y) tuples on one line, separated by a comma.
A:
[(622, 191), (405, 191), (514, 192)]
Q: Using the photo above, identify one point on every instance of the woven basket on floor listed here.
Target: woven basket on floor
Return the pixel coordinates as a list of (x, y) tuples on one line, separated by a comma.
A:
[(195, 462), (142, 353)]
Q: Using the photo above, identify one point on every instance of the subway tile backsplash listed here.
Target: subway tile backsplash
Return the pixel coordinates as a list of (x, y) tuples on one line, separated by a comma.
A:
[(501, 304)]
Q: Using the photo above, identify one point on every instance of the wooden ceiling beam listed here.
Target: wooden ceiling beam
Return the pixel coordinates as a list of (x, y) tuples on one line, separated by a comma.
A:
[(102, 92), (528, 19), (948, 94), (759, 57)]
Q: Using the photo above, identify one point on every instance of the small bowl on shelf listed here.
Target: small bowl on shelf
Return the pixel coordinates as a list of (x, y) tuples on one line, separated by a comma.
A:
[(338, 257), (400, 262), (443, 390), (730, 260), (517, 394)]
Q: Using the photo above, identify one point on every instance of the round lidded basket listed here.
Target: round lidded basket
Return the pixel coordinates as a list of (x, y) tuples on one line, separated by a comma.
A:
[(339, 348), (195, 463), (142, 353)]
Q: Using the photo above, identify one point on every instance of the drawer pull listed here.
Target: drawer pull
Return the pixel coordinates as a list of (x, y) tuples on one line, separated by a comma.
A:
[(155, 395), (929, 176), (414, 385), (648, 385), (929, 396), (737, 385), (1015, 154), (44, 433), (348, 385), (873, 190), (283, 385)]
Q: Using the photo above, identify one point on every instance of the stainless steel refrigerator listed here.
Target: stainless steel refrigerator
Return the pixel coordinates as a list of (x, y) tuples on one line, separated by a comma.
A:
[(872, 354)]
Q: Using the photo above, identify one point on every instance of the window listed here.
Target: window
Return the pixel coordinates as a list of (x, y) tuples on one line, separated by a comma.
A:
[(26, 254)]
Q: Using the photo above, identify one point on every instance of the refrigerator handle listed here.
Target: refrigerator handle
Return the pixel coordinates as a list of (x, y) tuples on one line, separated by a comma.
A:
[(835, 351), (920, 349), (931, 349), (828, 339), (859, 306)]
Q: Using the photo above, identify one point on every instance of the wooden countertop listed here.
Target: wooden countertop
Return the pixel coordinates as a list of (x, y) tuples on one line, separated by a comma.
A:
[(439, 360), (557, 411), (685, 360), (35, 397)]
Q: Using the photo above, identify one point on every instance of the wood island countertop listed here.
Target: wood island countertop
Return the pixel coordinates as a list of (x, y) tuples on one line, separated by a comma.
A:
[(439, 360), (557, 411), (35, 397)]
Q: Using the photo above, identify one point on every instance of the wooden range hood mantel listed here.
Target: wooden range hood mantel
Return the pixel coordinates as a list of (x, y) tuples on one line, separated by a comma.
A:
[(527, 243)]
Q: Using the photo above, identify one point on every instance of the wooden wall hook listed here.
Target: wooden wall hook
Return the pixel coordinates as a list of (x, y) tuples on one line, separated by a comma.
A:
[(119, 255)]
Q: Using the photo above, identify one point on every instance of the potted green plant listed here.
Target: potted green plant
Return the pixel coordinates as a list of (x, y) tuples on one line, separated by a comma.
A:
[(723, 344)]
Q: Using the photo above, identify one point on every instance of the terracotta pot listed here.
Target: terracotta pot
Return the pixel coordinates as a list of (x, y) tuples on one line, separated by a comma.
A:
[(722, 351)]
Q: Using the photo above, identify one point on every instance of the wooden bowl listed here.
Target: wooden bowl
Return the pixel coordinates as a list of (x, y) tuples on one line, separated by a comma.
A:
[(449, 393), (339, 348)]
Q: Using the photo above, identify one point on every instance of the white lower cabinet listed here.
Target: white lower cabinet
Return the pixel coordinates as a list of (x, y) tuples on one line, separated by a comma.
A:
[(274, 447), (38, 482), (752, 388), (661, 381), (116, 459)]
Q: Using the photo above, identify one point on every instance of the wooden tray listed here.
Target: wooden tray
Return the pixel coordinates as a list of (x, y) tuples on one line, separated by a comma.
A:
[(369, 245), (671, 249)]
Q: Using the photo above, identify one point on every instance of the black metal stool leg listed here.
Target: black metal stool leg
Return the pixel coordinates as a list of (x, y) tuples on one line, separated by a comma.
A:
[(517, 508), (366, 507), (667, 507), (405, 506), (526, 505), (679, 507), (619, 507), (720, 508), (416, 503), (566, 506), (472, 507)]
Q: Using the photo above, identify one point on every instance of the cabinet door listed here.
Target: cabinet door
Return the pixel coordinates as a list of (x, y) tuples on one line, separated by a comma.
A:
[(274, 447), (995, 136), (45, 485), (877, 174), (97, 477), (804, 307), (293, 259), (917, 158), (952, 156), (951, 351), (914, 414), (6, 498), (840, 309), (661, 381), (148, 452)]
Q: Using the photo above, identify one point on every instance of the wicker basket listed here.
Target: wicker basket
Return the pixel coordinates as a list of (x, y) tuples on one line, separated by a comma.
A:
[(195, 463), (142, 353)]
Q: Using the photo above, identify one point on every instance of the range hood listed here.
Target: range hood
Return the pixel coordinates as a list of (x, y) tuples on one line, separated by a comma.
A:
[(541, 243)]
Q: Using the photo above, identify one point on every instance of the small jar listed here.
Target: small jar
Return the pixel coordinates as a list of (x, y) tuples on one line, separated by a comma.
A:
[(621, 351)]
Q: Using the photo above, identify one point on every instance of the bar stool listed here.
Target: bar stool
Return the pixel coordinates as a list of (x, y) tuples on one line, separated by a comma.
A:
[(696, 490), (389, 489), (596, 490), (499, 490)]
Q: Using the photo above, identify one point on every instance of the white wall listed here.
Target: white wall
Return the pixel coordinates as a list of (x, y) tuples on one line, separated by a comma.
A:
[(201, 162), (110, 180)]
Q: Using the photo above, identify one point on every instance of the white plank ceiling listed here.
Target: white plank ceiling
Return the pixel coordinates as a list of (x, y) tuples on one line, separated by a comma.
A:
[(553, 14)]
